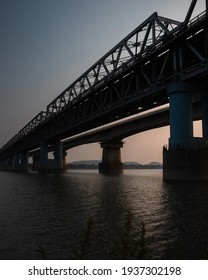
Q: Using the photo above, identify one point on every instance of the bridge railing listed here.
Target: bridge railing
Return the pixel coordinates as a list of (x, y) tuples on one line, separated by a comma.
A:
[(34, 123), (197, 18)]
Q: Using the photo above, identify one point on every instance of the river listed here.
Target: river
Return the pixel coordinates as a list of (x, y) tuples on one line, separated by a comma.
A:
[(87, 215)]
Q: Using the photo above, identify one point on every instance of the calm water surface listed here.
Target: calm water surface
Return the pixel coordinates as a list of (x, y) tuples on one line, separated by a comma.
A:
[(46, 216)]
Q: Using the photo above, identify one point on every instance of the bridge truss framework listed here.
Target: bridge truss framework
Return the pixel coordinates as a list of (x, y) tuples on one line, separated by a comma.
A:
[(131, 78)]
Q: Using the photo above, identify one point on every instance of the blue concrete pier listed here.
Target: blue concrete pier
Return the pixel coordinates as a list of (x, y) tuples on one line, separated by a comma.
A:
[(181, 120), (186, 157)]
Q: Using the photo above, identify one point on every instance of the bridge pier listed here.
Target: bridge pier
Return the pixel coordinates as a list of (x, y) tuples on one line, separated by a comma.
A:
[(1, 164), (204, 105), (35, 163), (64, 160), (111, 158), (20, 163), (181, 119), (17, 163), (50, 165), (10, 164), (186, 158)]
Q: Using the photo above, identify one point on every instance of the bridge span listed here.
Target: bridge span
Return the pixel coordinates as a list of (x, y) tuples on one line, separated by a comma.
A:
[(162, 61)]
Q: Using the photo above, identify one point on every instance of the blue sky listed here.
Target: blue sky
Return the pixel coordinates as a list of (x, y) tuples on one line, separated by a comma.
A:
[(47, 44)]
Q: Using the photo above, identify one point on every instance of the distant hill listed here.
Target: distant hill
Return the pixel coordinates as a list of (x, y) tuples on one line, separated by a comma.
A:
[(155, 163), (137, 165), (132, 163), (86, 162), (83, 164), (93, 164)]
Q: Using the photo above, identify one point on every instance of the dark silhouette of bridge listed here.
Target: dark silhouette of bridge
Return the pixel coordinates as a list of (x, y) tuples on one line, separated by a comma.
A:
[(162, 61)]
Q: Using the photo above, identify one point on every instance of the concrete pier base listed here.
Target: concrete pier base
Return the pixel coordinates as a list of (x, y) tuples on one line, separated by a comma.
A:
[(51, 165), (64, 160), (111, 168), (111, 159), (184, 165), (20, 163), (17, 163), (35, 163)]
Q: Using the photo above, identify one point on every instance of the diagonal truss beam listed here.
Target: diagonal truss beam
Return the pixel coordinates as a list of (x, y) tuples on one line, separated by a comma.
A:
[(139, 41)]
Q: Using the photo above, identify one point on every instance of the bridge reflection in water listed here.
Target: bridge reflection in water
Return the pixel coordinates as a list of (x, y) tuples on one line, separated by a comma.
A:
[(162, 61)]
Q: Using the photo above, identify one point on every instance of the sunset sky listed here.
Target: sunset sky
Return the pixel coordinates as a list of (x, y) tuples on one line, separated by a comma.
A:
[(47, 44)]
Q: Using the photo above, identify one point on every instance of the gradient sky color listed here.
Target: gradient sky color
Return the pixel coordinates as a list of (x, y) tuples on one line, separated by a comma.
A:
[(47, 44)]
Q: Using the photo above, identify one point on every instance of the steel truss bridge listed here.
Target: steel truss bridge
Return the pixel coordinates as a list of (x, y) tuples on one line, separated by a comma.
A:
[(131, 78)]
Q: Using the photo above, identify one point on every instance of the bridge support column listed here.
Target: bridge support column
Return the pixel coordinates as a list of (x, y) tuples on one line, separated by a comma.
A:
[(111, 159), (64, 160), (187, 157), (204, 106), (181, 119), (20, 163), (43, 153), (2, 165), (51, 165), (16, 162), (36, 163)]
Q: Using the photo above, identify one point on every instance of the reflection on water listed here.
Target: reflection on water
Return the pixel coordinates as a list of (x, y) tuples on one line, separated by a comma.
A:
[(46, 215)]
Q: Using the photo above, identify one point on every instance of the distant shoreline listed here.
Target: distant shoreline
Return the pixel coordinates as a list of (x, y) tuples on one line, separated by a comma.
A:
[(96, 168), (93, 164)]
